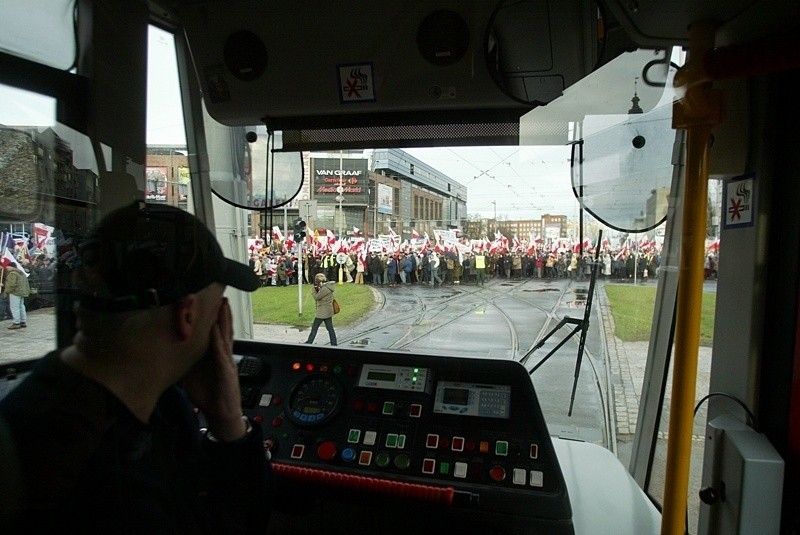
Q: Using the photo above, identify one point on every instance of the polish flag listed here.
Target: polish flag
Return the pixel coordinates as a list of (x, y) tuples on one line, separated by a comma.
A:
[(8, 259), (277, 234), (414, 234)]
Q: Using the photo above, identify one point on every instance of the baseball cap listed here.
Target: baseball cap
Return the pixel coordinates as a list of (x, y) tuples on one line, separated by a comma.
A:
[(148, 255)]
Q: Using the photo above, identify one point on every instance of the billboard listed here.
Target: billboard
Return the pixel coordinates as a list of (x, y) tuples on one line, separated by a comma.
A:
[(156, 184), (329, 175), (385, 199)]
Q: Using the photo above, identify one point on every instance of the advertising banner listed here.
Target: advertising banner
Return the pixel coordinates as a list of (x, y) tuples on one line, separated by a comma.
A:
[(385, 199), (333, 178), (156, 184)]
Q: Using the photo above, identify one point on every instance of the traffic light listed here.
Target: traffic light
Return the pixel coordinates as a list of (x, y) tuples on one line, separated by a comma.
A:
[(299, 230)]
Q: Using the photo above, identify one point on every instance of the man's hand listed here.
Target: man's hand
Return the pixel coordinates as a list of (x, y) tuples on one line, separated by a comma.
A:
[(213, 384)]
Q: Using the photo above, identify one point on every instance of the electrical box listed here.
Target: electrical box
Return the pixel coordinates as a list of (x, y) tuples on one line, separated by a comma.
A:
[(742, 480)]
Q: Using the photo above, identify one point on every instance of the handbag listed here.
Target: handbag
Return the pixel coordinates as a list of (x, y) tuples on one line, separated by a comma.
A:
[(336, 308)]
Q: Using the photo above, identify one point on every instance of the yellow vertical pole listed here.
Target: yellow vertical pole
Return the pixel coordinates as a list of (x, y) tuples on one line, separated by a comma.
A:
[(698, 110)]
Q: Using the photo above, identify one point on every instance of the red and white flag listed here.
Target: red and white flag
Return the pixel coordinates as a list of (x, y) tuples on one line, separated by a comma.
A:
[(42, 232), (8, 259)]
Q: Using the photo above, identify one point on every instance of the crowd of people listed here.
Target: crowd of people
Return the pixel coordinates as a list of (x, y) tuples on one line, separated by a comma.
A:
[(450, 267)]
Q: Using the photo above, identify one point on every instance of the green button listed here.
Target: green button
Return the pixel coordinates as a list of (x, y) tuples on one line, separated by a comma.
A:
[(382, 459), (353, 436), (388, 407), (402, 461), (401, 442), (444, 467), (337, 369), (391, 440), (501, 448)]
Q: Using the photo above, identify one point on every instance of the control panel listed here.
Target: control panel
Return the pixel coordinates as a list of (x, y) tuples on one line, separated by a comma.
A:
[(468, 432)]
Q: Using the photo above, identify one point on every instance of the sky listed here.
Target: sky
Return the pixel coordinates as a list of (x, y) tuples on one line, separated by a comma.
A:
[(508, 182)]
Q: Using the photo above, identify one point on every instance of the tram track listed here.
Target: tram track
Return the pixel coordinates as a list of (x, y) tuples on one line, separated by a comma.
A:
[(416, 316)]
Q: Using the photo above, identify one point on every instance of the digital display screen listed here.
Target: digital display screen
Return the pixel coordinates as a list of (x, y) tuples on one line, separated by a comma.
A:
[(381, 376), (455, 396)]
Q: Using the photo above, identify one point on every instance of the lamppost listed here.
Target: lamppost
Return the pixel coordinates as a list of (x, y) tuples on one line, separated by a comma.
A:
[(340, 196)]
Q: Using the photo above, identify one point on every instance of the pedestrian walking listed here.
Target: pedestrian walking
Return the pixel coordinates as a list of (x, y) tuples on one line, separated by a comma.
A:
[(323, 304)]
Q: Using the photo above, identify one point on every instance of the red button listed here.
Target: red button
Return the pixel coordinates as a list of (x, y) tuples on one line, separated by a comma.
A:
[(470, 445), (372, 406), (258, 418), (327, 450), (277, 421), (428, 466), (432, 441), (358, 405), (444, 443), (415, 411), (277, 400), (458, 443), (497, 473)]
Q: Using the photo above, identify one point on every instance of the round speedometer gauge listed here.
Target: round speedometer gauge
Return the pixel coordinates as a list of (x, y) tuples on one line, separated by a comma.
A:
[(314, 400)]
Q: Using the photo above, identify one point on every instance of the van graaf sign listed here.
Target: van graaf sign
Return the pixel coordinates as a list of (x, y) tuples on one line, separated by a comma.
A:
[(351, 175)]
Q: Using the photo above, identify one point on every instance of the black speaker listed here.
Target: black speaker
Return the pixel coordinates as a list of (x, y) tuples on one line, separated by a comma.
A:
[(443, 37), (245, 55)]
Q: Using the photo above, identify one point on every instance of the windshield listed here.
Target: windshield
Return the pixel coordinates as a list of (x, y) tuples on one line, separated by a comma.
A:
[(548, 253)]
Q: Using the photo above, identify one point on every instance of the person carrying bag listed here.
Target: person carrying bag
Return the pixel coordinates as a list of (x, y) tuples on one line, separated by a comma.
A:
[(322, 293)]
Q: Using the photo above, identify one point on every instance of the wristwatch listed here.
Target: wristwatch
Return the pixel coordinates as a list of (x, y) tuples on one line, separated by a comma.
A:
[(215, 440)]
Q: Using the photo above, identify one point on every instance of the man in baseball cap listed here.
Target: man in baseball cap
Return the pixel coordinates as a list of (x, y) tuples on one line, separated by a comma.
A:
[(122, 449), (148, 255)]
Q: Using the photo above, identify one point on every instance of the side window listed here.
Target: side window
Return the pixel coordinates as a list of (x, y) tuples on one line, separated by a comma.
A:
[(48, 179)]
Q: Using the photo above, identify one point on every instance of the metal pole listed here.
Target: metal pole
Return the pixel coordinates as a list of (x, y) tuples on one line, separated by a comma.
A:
[(341, 195), (698, 111), (300, 277)]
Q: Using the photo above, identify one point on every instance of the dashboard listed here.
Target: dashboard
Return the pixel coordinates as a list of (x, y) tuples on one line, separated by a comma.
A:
[(360, 436)]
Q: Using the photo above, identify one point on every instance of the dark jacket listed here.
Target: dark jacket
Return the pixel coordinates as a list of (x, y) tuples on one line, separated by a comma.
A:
[(88, 465)]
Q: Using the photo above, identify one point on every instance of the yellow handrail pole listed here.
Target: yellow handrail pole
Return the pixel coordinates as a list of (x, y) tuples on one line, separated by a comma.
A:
[(698, 110)]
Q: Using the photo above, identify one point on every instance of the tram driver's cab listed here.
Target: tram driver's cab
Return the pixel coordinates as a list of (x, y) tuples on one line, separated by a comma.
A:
[(382, 440)]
